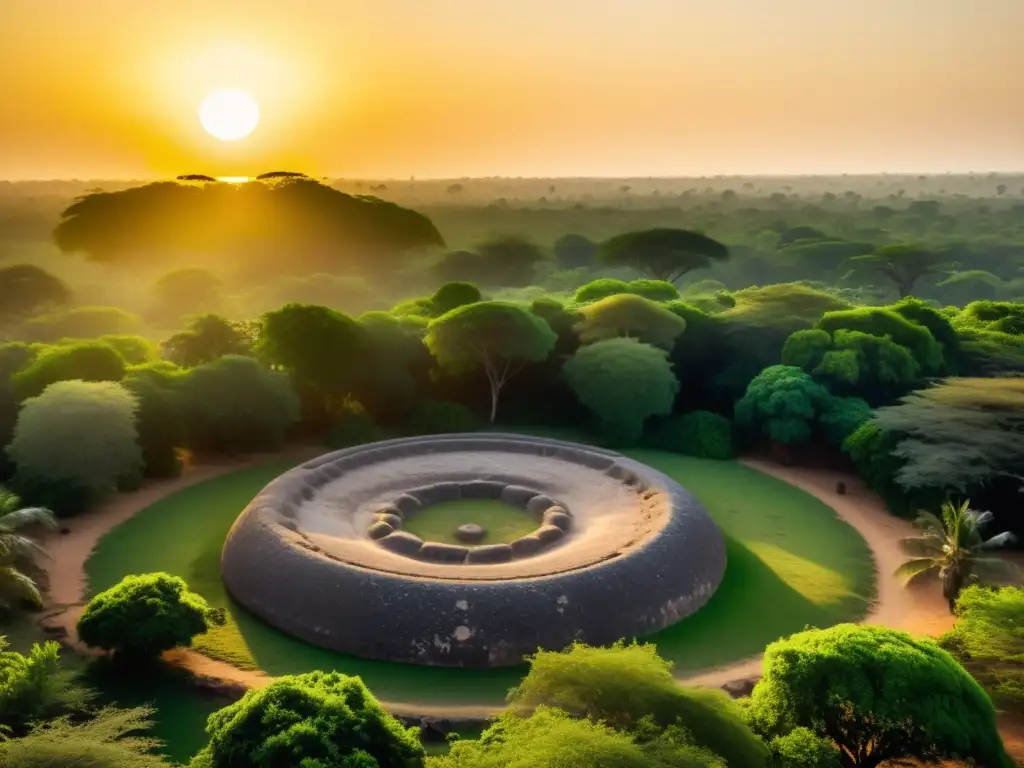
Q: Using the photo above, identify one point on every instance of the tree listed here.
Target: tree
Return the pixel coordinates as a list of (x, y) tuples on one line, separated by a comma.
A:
[(889, 321), (664, 254), (703, 434), (27, 290), (554, 739), (320, 348), (88, 361), (508, 260), (79, 323), (34, 686), (187, 291), (623, 382), (317, 226), (878, 694), (143, 616), (904, 264), (16, 550), (78, 432), (109, 739), (456, 294), (396, 362), (158, 418), (954, 548), (207, 338), (496, 336), (573, 251), (630, 688), (234, 404), (318, 719), (784, 402), (626, 315)]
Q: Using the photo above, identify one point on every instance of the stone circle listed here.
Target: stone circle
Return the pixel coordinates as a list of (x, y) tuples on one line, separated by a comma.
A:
[(621, 550)]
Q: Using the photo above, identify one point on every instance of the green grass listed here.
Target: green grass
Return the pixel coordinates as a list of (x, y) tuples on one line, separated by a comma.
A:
[(792, 563), (503, 522)]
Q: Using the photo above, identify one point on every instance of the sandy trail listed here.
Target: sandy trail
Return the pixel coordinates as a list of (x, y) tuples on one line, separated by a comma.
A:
[(920, 612)]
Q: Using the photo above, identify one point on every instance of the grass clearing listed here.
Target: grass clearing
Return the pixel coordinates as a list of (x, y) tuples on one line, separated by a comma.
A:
[(792, 563), (503, 522)]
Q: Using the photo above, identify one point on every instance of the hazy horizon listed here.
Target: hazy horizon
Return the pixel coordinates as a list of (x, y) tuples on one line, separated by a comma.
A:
[(383, 89)]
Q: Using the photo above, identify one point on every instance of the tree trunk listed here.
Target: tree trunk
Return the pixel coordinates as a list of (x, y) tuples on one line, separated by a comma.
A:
[(952, 582), (494, 403)]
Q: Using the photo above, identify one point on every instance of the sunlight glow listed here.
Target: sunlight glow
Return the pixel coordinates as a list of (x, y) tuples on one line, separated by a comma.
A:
[(229, 115), (233, 179)]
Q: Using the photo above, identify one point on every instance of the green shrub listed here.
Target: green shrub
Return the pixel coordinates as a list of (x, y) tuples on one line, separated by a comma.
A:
[(550, 738), (802, 748), (879, 321), (600, 289), (437, 417), (207, 338), (622, 382), (655, 290), (158, 417), (34, 686), (878, 694), (783, 403), (629, 687), (143, 616), (136, 350), (234, 404), (76, 434), (109, 739), (703, 434), (319, 719), (630, 316), (88, 361), (452, 295)]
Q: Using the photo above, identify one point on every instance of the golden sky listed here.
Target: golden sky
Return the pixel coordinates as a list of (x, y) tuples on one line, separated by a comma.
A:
[(451, 88)]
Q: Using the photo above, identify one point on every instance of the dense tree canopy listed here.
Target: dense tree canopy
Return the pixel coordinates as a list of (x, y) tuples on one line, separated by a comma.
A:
[(318, 226), (504, 260), (574, 250), (664, 254), (206, 338), (326, 720), (623, 382), (142, 616), (496, 336), (878, 694), (79, 323), (627, 315), (86, 361)]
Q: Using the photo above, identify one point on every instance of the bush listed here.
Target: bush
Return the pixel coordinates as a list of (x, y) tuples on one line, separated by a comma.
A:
[(108, 740), (600, 289), (320, 719), (158, 418), (783, 403), (879, 321), (353, 427), (234, 404), (90, 361), (623, 383), (655, 290), (143, 616), (631, 688), (437, 417), (630, 316), (207, 338), (135, 350), (452, 295), (878, 694), (553, 739), (703, 434), (802, 748), (76, 434), (34, 686)]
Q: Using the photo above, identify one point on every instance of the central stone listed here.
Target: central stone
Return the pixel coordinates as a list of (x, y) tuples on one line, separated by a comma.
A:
[(470, 533)]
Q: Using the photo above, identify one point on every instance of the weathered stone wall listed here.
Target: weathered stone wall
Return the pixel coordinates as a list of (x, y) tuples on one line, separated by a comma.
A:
[(272, 569)]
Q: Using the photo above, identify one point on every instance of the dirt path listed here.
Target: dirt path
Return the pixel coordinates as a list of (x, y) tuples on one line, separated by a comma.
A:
[(919, 613)]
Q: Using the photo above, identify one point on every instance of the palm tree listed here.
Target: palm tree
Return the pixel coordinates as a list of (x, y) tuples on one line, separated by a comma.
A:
[(16, 549), (953, 547)]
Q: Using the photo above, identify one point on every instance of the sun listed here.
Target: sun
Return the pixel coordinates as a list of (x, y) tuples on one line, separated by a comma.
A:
[(229, 115)]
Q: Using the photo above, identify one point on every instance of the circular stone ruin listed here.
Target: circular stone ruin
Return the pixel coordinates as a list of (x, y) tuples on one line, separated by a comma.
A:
[(620, 550)]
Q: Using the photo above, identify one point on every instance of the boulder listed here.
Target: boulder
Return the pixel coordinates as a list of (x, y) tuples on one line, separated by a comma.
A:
[(395, 521), (482, 489), (517, 495), (549, 533), (526, 545), (490, 553), (436, 552), (438, 492), (558, 516), (538, 504), (380, 529), (470, 533), (407, 504), (401, 543)]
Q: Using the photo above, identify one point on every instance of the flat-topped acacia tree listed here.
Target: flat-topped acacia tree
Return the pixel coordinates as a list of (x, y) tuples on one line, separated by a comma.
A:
[(904, 264), (496, 336), (664, 254)]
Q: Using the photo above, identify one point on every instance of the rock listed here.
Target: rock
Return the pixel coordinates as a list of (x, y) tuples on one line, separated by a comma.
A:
[(557, 516), (438, 492), (738, 689), (401, 543), (407, 504), (380, 529), (482, 489), (437, 552), (549, 533), (490, 553), (525, 546), (388, 509), (517, 495), (538, 504), (395, 521), (470, 533)]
